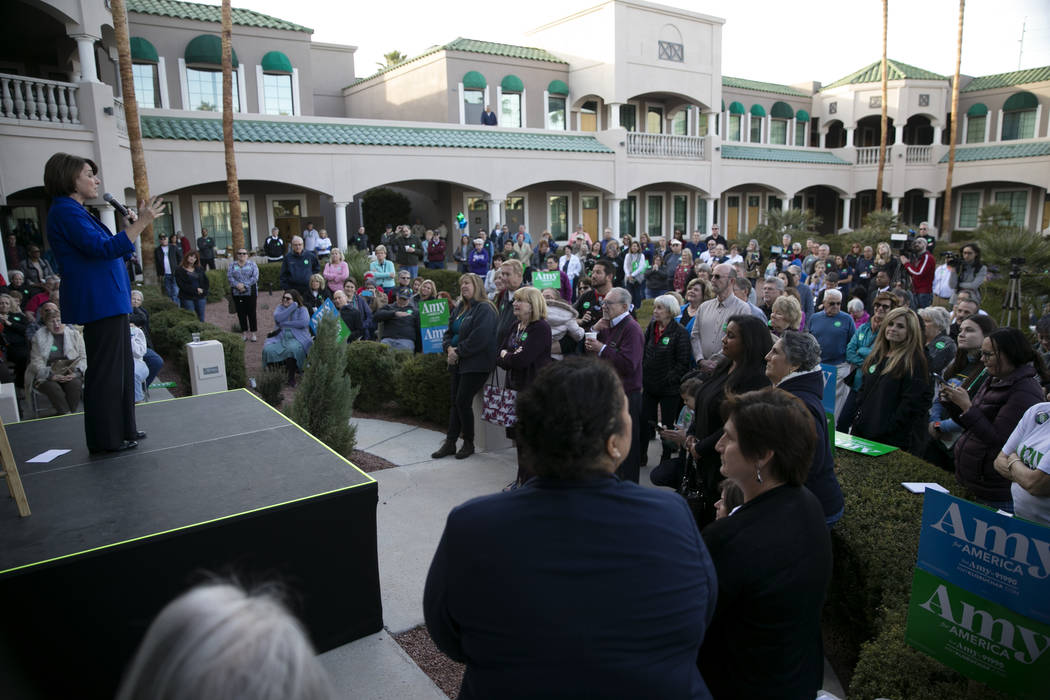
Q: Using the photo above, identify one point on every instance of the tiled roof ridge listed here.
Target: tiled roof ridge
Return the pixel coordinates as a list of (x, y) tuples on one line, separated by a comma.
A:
[(999, 150), (182, 9), (776, 88), (905, 70), (1008, 79), (735, 151)]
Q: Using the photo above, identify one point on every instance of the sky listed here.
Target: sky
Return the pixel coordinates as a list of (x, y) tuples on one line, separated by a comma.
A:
[(769, 40)]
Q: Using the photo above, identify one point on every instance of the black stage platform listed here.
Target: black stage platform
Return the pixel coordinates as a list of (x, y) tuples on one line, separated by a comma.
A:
[(223, 484)]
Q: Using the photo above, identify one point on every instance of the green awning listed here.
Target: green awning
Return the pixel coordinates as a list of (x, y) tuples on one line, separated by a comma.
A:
[(207, 48), (558, 87), (758, 111), (474, 80), (802, 115), (736, 108), (142, 50), (781, 110), (512, 83), (276, 62), (1021, 100), (978, 110)]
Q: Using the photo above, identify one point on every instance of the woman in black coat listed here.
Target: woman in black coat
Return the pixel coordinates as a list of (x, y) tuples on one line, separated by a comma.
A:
[(470, 347), (794, 366), (192, 282), (665, 360)]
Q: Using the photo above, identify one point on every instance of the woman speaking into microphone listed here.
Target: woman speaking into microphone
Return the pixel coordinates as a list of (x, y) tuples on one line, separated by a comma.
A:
[(96, 294)]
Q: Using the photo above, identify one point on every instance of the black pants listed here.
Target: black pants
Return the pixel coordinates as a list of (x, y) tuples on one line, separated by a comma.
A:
[(109, 384), (208, 264), (245, 306), (669, 408), (628, 469), (461, 418)]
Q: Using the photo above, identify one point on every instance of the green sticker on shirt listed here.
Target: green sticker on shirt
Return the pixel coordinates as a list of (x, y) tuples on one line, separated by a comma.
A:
[(1041, 418), (665, 341), (54, 348), (838, 324), (586, 304), (871, 370), (524, 336), (939, 345), (306, 262)]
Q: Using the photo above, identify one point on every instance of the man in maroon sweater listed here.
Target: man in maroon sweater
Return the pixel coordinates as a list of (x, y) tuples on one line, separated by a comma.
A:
[(921, 271), (620, 341)]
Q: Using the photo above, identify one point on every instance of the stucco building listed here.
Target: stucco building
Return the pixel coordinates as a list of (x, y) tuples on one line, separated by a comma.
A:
[(618, 116)]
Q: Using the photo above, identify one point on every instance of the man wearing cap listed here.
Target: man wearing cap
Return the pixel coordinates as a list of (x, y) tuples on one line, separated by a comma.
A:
[(168, 258), (400, 320)]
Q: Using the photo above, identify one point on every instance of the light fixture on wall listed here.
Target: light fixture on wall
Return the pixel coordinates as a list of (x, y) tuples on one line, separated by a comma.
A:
[(108, 111)]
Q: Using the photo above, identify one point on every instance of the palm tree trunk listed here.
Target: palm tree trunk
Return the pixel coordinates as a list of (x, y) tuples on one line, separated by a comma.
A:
[(232, 187), (131, 116), (946, 217), (883, 124)]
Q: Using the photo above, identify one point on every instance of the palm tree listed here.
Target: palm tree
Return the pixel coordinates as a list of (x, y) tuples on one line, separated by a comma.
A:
[(232, 187), (946, 217), (131, 116), (882, 125), (392, 58)]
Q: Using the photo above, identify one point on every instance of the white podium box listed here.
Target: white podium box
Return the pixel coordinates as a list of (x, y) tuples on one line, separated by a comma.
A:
[(207, 366), (8, 404)]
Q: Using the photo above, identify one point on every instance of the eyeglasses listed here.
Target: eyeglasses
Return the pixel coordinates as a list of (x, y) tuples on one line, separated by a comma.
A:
[(242, 252), (884, 307), (287, 299), (717, 276)]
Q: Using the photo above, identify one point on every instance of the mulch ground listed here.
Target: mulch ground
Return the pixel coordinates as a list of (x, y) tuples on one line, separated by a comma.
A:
[(446, 673)]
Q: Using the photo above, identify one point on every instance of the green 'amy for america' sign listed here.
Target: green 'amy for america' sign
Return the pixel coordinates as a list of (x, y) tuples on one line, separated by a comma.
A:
[(546, 280)]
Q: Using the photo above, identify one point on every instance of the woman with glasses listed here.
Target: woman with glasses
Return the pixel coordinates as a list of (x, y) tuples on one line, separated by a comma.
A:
[(989, 418), (243, 275), (291, 341), (895, 390)]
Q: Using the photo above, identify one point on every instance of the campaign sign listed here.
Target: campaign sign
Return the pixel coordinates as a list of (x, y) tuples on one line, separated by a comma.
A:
[(329, 308), (853, 443), (830, 373), (546, 280), (1003, 559), (433, 322), (980, 639)]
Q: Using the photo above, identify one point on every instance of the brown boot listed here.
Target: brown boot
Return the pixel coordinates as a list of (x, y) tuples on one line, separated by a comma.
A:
[(448, 447), (465, 451)]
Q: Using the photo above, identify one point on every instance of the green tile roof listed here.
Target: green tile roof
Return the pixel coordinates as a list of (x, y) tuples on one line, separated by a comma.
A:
[(965, 154), (781, 155), (742, 84), (1017, 77), (895, 70), (476, 46), (197, 129), (210, 13)]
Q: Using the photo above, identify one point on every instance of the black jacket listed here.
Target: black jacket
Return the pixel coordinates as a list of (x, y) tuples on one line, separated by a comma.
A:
[(773, 560), (893, 410), (274, 248), (206, 248), (666, 362), (821, 480), (476, 343), (395, 326), (189, 282), (353, 320), (174, 257)]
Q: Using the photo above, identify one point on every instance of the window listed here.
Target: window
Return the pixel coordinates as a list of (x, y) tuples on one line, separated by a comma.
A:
[(680, 123), (1019, 124), (215, 216), (515, 212), (164, 225), (756, 129), (778, 131), (205, 90), (510, 110), (629, 117), (654, 120), (655, 219), (680, 213), (558, 213), (1017, 200), (629, 216), (734, 127), (286, 207), (702, 123), (477, 212), (277, 92), (701, 214), (672, 51), (473, 105), (774, 203), (589, 116), (975, 129), (556, 114), (147, 89), (969, 205), (800, 134)]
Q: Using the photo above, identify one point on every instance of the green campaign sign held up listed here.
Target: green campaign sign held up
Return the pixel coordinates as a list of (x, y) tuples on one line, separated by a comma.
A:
[(546, 280), (433, 321), (864, 447)]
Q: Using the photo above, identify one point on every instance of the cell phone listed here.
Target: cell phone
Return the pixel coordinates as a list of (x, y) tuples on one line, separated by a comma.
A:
[(937, 377), (661, 427)]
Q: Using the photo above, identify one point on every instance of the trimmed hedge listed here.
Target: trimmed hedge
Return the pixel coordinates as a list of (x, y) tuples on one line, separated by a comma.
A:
[(373, 369), (444, 280), (218, 285), (423, 385)]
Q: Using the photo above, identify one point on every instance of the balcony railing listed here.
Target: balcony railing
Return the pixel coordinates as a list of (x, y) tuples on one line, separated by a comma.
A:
[(665, 146), (869, 155), (919, 154), (118, 112), (36, 99)]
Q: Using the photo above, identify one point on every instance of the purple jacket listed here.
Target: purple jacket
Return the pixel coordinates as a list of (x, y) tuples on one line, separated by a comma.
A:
[(478, 262), (297, 320), (624, 344), (527, 353)]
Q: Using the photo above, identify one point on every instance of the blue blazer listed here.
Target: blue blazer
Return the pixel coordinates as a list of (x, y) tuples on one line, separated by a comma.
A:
[(94, 279)]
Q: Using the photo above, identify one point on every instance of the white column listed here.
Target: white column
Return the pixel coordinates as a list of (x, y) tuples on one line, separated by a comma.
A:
[(259, 89), (999, 127), (340, 225), (86, 52), (614, 115), (709, 214), (849, 136), (987, 128), (937, 135), (895, 205), (711, 117), (1038, 120), (745, 129), (297, 108), (823, 136), (785, 203), (846, 201), (931, 209), (614, 217), (898, 134), (791, 132), (109, 218), (496, 210), (162, 76)]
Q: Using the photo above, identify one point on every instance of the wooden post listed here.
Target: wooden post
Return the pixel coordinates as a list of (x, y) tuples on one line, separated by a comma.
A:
[(9, 469)]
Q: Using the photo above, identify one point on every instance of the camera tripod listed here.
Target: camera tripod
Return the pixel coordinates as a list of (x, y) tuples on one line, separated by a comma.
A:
[(1012, 300)]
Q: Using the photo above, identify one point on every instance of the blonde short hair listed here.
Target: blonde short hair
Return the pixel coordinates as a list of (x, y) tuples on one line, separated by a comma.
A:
[(535, 299), (381, 249), (788, 307)]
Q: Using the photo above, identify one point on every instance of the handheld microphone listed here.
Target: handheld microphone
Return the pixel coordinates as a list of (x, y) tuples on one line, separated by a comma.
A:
[(121, 209)]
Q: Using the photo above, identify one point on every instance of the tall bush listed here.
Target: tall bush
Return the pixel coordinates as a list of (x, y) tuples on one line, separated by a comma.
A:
[(422, 387), (444, 280), (372, 368), (323, 401), (218, 285), (382, 206)]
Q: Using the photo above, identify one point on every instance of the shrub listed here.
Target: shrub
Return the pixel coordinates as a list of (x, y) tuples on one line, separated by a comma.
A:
[(422, 386), (325, 396), (173, 328), (154, 299), (269, 277), (357, 261), (232, 351), (644, 313), (383, 206), (444, 280), (372, 368), (270, 386), (218, 285)]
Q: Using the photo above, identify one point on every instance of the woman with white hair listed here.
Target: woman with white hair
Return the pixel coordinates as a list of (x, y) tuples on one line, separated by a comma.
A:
[(478, 258), (794, 366), (666, 357), (219, 641), (940, 348), (855, 308)]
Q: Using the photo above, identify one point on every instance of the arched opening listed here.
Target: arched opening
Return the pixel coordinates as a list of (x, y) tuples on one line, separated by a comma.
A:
[(37, 45), (25, 217), (836, 135), (869, 132), (918, 131), (864, 204)]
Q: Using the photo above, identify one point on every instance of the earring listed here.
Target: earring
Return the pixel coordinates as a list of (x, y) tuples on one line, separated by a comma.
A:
[(616, 454), (758, 473)]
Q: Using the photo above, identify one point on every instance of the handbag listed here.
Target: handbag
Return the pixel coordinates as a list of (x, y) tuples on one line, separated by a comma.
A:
[(499, 404), (692, 488)]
